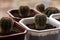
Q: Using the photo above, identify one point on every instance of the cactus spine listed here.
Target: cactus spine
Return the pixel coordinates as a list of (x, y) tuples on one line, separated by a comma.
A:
[(6, 25), (40, 21), (40, 7), (24, 11)]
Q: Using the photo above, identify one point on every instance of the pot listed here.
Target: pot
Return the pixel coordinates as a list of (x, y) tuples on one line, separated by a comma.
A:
[(16, 36), (47, 34)]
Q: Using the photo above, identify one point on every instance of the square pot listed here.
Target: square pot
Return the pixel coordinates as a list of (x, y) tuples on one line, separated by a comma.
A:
[(47, 34), (15, 12), (16, 36)]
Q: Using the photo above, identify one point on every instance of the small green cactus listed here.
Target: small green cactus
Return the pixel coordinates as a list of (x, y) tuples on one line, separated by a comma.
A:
[(40, 7), (6, 25), (40, 21), (24, 11), (51, 10)]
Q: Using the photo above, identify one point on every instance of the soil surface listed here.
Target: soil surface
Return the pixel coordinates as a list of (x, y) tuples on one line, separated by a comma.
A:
[(48, 26), (16, 13), (58, 19)]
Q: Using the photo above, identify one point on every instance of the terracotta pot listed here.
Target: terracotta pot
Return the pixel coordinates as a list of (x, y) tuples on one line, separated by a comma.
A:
[(47, 34), (17, 36), (15, 11)]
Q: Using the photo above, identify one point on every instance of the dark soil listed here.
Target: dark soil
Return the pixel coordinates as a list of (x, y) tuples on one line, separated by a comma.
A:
[(58, 19), (48, 26), (16, 13)]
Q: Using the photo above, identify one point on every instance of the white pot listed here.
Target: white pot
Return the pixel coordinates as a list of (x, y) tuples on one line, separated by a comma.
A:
[(48, 34), (55, 16)]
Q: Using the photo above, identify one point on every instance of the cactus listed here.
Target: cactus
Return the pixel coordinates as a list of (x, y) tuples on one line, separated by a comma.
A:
[(6, 25), (40, 7), (51, 10), (40, 21), (24, 11)]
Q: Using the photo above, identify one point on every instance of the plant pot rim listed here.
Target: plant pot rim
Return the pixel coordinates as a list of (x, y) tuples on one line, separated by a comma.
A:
[(21, 33), (52, 15), (17, 9), (38, 31), (11, 14)]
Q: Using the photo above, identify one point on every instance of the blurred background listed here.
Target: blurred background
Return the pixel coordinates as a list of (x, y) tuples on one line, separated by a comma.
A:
[(5, 5)]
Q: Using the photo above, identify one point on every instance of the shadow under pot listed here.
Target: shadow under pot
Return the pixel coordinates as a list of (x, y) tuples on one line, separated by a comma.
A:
[(51, 31), (18, 33), (14, 13)]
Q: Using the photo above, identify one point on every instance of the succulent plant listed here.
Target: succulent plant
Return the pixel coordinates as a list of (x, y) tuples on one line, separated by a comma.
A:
[(40, 7), (51, 10), (6, 25), (24, 11), (40, 21)]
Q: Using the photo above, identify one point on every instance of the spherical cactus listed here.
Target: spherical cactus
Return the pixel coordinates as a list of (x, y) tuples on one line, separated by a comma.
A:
[(6, 25), (51, 10), (40, 21), (24, 11), (40, 7)]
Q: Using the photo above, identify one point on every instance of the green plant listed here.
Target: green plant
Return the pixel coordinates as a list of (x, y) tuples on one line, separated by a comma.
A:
[(6, 25), (40, 21), (40, 7), (24, 11), (51, 10)]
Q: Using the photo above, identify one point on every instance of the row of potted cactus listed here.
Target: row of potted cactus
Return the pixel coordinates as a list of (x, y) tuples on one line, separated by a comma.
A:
[(25, 11), (29, 23)]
